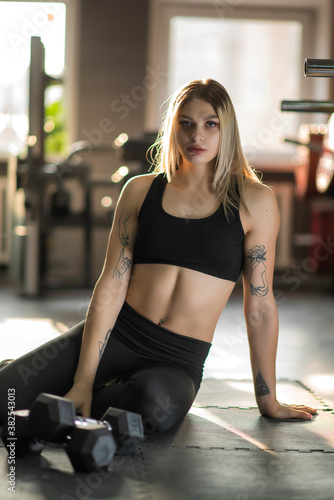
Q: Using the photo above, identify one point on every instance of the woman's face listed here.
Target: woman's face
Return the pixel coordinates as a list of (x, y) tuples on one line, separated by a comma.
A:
[(198, 132)]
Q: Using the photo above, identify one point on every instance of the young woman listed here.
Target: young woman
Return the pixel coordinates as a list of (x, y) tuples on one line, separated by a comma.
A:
[(179, 241)]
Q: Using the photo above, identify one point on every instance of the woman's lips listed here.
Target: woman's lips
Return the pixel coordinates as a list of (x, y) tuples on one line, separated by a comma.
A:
[(195, 150)]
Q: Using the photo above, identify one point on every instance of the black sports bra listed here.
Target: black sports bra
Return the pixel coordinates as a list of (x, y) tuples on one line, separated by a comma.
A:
[(211, 245)]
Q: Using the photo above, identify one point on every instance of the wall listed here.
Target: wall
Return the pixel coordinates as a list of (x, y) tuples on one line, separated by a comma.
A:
[(113, 52)]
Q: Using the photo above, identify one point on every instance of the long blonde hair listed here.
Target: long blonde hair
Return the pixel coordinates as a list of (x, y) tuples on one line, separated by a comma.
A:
[(231, 169)]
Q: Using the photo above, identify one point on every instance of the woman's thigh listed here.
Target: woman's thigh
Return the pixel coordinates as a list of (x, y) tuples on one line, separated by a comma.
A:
[(162, 395), (51, 368)]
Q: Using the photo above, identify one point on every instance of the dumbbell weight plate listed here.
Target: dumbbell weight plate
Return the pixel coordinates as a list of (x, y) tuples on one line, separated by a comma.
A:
[(90, 447), (52, 418), (127, 429)]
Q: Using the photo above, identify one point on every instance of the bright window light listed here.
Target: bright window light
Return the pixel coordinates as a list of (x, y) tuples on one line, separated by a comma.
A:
[(19, 21), (249, 59)]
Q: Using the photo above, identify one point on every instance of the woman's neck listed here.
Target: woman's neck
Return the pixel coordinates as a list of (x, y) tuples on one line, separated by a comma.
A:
[(194, 177)]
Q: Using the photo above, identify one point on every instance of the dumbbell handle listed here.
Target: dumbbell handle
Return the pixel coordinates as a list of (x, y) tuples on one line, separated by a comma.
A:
[(84, 422), (126, 441), (319, 67)]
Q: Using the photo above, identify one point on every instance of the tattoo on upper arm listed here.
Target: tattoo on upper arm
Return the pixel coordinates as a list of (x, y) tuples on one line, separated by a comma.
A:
[(123, 262), (102, 345), (261, 387), (258, 277)]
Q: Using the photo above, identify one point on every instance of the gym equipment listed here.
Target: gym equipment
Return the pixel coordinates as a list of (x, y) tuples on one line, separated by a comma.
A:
[(325, 168), (90, 444), (31, 170), (319, 67), (34, 176), (307, 106), (306, 172), (316, 173), (318, 177), (89, 447), (53, 417), (127, 429), (311, 145)]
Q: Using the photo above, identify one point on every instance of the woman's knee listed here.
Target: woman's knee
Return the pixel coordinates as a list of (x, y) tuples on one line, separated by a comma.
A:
[(164, 396)]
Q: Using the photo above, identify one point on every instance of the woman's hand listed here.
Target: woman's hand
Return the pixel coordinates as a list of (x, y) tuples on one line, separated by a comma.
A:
[(284, 411), (82, 398)]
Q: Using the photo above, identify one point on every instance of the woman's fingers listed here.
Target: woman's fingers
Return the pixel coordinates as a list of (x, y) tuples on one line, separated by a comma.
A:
[(85, 412), (308, 409), (82, 400), (298, 411)]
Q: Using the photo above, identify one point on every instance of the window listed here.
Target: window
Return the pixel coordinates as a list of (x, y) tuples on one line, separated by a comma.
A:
[(250, 60), (256, 50), (19, 21)]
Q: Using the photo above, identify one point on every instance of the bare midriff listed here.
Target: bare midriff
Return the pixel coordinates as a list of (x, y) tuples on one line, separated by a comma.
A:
[(184, 301)]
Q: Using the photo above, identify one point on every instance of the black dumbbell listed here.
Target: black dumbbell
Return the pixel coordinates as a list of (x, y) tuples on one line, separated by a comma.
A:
[(127, 428), (89, 445), (53, 417)]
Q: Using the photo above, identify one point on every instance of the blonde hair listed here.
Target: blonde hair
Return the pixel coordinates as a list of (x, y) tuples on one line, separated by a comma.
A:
[(231, 170)]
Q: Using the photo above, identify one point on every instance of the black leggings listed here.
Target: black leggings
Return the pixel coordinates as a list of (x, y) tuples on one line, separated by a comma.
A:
[(145, 368)]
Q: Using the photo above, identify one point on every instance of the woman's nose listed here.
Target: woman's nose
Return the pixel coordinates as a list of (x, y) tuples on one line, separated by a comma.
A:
[(197, 134)]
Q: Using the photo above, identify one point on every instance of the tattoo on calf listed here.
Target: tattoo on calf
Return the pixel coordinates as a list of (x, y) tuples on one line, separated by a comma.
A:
[(261, 387), (258, 277), (102, 345), (123, 262)]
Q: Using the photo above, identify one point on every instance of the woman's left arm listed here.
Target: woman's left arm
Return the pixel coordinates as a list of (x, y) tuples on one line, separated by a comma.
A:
[(259, 303)]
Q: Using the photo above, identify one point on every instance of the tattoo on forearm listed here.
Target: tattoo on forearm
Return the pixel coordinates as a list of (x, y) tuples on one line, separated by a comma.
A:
[(258, 277), (123, 262), (261, 387), (102, 345)]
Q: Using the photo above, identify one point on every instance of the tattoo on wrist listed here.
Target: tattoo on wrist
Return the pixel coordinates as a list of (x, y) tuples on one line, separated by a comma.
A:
[(261, 387), (123, 262), (258, 280), (102, 345)]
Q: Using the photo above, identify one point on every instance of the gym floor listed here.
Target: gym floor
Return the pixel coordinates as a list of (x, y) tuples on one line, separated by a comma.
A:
[(223, 449)]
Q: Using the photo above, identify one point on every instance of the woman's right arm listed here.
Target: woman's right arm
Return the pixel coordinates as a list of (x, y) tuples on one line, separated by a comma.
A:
[(108, 296)]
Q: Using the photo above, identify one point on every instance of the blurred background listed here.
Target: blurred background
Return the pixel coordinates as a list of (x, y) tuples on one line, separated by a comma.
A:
[(83, 86)]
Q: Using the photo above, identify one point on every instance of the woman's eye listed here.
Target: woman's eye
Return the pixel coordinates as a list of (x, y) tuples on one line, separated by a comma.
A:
[(212, 124), (185, 123)]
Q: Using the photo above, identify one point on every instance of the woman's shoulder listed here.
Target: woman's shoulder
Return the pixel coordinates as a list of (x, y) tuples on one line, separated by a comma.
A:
[(139, 183), (257, 194), (261, 204), (136, 188)]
